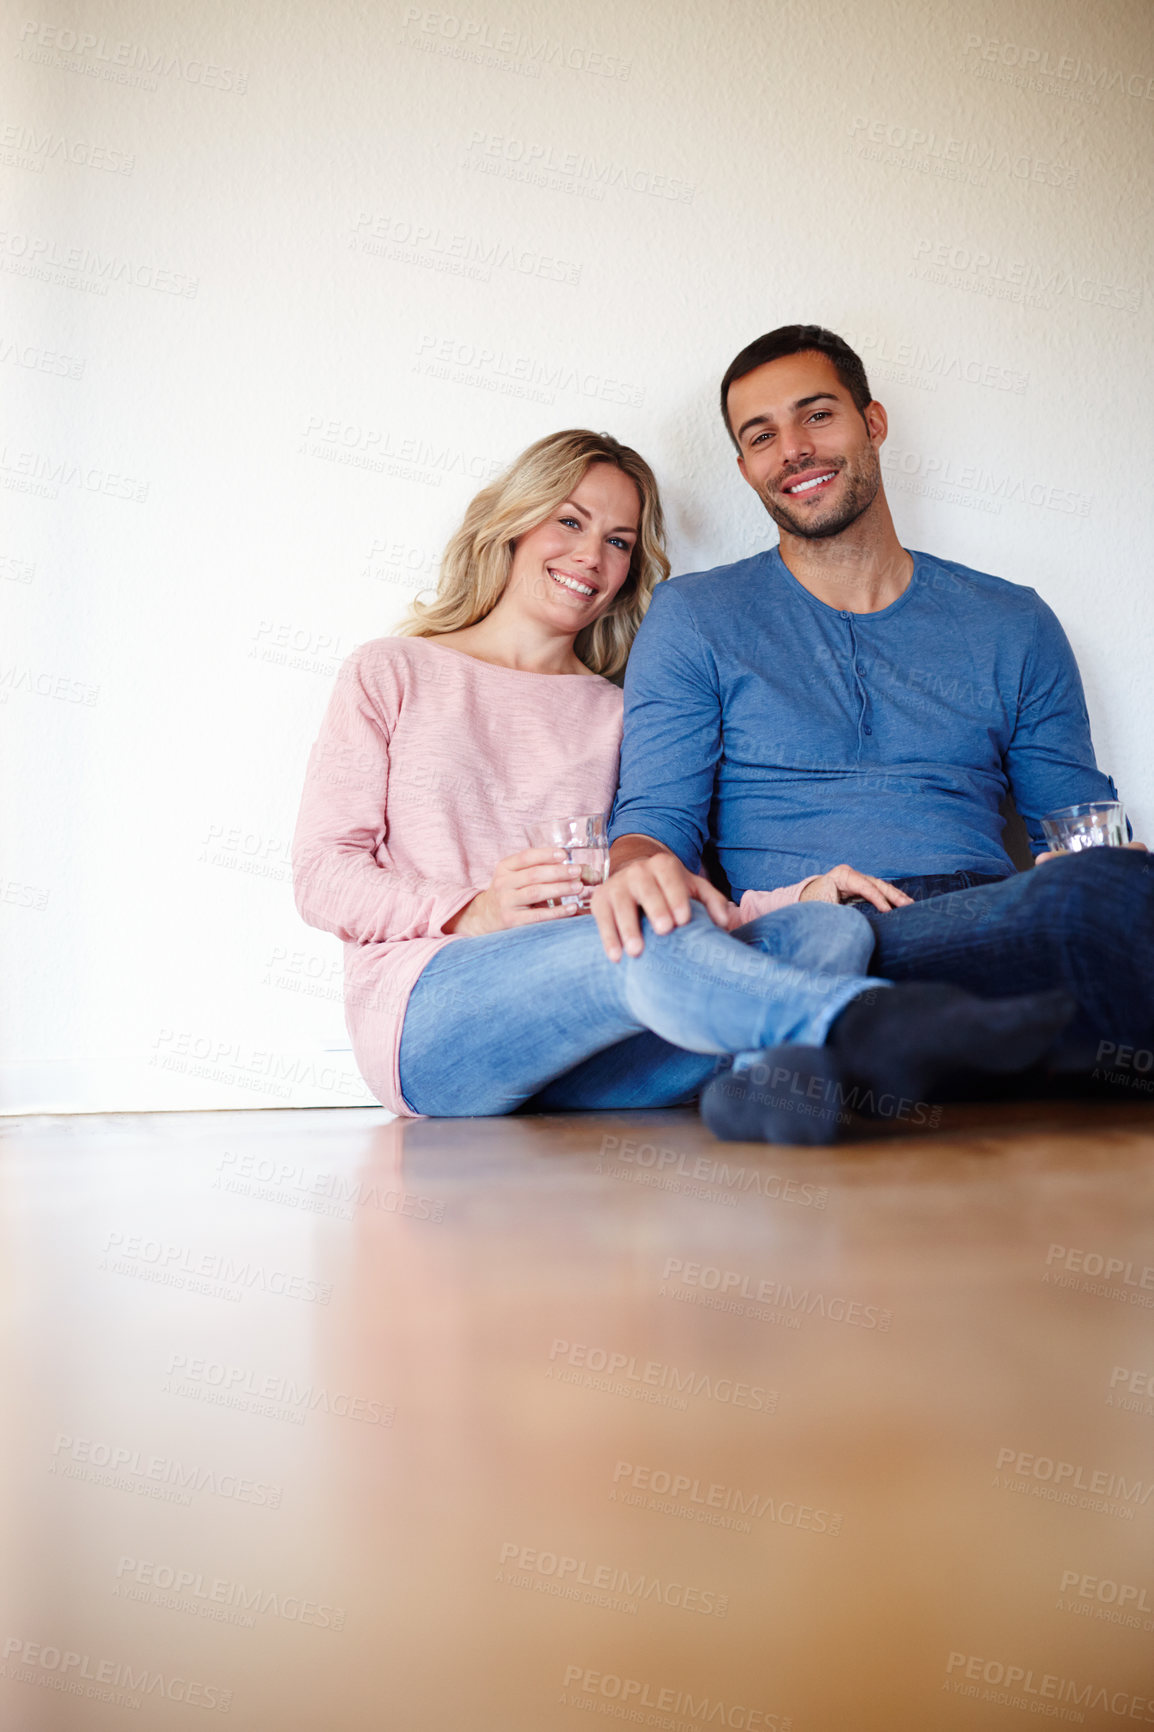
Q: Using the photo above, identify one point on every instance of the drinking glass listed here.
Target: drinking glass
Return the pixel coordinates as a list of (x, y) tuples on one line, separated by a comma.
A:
[(1098, 824), (586, 844)]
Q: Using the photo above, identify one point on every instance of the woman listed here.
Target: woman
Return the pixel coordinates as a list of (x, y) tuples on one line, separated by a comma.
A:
[(466, 991)]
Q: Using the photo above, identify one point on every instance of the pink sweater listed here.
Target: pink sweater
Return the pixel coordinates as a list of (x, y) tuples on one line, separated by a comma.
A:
[(428, 766)]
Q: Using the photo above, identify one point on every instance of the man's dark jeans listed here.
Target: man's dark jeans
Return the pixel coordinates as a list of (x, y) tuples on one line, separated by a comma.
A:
[(1084, 922)]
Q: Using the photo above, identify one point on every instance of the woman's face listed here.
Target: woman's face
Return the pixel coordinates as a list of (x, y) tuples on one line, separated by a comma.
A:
[(568, 569)]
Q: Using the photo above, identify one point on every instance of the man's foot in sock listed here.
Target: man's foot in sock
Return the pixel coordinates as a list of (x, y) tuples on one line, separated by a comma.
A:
[(793, 1094), (906, 1039), (891, 1043)]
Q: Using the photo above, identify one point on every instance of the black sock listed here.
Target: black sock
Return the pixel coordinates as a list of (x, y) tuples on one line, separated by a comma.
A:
[(904, 1039)]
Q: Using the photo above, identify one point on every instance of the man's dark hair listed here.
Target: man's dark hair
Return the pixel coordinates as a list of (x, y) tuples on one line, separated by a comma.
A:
[(797, 340)]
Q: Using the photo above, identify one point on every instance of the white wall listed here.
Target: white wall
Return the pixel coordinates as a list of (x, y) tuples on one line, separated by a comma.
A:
[(284, 282)]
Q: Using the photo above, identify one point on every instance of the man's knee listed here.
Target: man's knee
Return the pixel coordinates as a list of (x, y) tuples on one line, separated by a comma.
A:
[(1098, 880), (818, 935)]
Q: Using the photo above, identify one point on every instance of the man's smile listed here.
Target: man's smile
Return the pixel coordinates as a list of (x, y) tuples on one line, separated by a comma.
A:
[(812, 481)]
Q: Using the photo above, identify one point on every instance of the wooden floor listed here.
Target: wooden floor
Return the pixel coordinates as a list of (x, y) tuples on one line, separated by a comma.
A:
[(337, 1424)]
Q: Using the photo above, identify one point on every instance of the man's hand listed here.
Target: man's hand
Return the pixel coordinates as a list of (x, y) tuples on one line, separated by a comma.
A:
[(1057, 853), (842, 882), (659, 887)]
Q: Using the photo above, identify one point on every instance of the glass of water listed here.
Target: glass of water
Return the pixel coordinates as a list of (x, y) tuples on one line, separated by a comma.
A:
[(586, 844), (1099, 824)]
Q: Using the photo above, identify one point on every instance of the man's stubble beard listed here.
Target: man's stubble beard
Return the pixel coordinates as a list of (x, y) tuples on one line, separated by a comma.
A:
[(864, 484)]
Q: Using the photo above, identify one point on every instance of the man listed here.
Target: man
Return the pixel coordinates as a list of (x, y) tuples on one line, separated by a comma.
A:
[(840, 698)]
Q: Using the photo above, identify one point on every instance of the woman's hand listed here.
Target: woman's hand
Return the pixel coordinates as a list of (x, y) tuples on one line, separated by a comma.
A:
[(518, 887), (842, 882)]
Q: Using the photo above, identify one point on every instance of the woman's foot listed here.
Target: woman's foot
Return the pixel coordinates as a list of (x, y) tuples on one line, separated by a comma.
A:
[(884, 1056)]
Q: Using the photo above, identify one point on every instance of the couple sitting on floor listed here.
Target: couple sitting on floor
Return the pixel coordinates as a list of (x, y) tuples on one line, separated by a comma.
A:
[(834, 696)]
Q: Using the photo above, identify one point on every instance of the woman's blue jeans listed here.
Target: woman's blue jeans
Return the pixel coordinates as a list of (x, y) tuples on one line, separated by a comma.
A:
[(538, 1016)]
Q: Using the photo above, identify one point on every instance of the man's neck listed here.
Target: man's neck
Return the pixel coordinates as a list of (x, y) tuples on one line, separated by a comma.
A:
[(863, 570)]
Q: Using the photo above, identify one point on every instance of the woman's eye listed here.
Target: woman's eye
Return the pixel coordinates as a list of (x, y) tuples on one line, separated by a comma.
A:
[(616, 541), (567, 521)]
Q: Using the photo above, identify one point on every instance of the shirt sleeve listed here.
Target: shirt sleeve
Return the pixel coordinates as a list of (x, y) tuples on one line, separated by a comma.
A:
[(672, 740), (338, 880), (1050, 759)]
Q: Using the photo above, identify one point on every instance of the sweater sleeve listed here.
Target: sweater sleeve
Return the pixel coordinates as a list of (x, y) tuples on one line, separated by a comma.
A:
[(342, 879), (755, 903)]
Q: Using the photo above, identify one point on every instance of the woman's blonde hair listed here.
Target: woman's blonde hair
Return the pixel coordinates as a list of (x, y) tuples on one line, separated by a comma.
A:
[(478, 559)]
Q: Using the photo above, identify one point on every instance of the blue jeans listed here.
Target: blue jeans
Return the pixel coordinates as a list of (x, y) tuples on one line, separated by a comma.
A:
[(1084, 922), (539, 1016)]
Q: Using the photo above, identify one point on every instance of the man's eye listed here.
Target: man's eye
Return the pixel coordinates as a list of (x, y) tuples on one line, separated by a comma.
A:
[(759, 437)]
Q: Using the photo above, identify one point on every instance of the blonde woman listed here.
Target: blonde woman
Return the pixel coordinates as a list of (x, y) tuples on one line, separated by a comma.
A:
[(466, 993)]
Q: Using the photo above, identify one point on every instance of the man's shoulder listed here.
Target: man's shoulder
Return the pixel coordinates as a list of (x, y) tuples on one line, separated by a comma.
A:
[(703, 590), (948, 577)]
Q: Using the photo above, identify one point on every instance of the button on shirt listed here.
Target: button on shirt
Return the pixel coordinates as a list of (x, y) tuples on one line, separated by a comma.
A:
[(798, 735)]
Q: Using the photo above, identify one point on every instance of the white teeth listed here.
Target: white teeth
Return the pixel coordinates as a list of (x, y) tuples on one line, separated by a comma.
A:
[(805, 486), (573, 584)]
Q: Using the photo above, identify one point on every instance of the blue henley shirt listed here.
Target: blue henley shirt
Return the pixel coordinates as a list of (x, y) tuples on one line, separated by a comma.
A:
[(798, 735)]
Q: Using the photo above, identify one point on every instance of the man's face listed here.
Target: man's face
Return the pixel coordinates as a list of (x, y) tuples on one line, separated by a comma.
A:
[(808, 452)]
